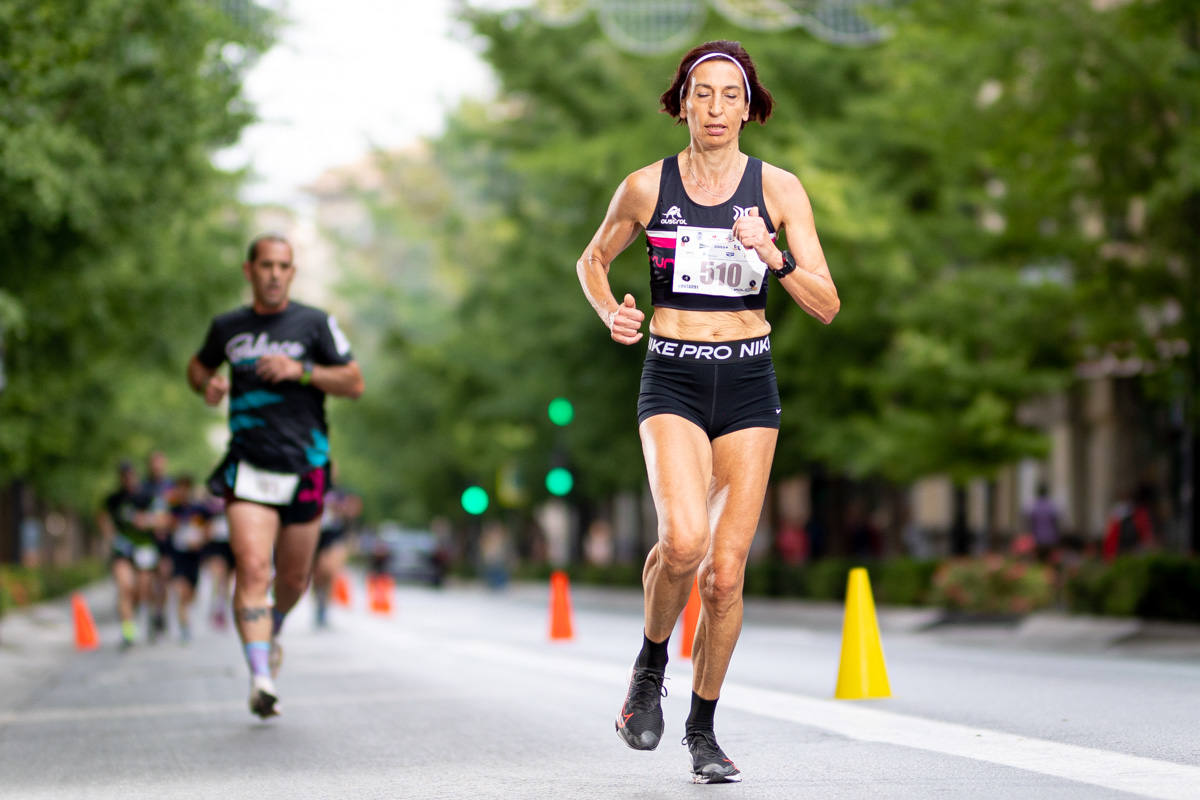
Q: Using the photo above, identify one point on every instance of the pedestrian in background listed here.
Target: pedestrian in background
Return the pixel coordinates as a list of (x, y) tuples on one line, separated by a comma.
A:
[(1042, 519)]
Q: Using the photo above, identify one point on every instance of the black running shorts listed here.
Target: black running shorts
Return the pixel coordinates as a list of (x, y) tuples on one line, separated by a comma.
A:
[(186, 564), (306, 504), (220, 549), (329, 537), (720, 386)]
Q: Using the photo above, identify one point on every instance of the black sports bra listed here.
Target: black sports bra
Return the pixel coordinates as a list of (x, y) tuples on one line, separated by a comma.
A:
[(694, 263)]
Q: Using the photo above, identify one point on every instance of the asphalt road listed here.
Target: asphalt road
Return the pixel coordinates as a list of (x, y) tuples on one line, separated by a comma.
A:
[(460, 694)]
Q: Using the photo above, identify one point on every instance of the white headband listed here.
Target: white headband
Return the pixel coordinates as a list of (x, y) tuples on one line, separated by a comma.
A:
[(706, 57)]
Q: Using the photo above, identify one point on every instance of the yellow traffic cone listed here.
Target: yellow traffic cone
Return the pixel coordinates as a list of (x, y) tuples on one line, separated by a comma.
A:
[(862, 673)]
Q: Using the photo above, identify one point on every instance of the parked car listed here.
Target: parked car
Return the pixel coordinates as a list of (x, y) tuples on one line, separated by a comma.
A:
[(404, 553)]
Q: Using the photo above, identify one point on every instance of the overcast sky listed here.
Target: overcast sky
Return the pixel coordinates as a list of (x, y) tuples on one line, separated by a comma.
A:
[(345, 75)]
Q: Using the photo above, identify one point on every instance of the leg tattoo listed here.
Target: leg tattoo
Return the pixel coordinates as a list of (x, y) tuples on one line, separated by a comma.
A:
[(252, 614)]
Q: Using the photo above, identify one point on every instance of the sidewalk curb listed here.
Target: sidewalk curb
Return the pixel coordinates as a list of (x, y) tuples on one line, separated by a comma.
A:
[(1037, 630)]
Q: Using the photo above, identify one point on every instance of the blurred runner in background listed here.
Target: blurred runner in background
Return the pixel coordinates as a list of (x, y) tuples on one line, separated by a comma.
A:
[(127, 525), (188, 540), (284, 358)]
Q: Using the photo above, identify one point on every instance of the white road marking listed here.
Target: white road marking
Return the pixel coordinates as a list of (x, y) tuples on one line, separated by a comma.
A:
[(1147, 777)]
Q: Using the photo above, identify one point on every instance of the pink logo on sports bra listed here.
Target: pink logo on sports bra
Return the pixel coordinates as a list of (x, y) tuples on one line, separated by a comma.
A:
[(660, 262)]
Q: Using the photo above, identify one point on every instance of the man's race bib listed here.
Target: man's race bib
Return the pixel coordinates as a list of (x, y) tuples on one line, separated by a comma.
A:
[(262, 486), (712, 261), (145, 556)]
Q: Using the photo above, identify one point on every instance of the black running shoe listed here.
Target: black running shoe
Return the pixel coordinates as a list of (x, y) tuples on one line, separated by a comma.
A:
[(640, 723), (709, 762)]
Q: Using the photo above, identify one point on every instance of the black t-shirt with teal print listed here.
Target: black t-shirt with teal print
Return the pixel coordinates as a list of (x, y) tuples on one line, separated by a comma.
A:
[(276, 426)]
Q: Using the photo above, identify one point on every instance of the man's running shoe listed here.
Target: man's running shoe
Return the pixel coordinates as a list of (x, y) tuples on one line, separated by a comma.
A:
[(709, 762), (640, 723), (263, 699), (275, 660)]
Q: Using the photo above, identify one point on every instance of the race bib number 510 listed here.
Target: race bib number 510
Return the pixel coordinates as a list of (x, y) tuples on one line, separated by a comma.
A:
[(711, 261)]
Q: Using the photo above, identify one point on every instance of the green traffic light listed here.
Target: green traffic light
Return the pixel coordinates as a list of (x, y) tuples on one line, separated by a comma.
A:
[(559, 481), (475, 500), (561, 411)]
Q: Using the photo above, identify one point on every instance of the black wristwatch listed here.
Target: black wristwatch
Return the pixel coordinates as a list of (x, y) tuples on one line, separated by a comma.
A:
[(789, 265), (306, 375)]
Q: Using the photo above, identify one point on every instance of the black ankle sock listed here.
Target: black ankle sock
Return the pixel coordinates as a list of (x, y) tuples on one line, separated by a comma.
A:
[(653, 654), (701, 716)]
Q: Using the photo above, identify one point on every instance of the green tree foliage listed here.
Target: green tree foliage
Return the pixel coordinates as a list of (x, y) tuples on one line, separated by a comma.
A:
[(117, 232), (942, 333), (1057, 141)]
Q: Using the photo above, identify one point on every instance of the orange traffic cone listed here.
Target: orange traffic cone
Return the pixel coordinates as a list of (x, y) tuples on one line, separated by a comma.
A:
[(341, 590), (691, 614), (85, 627), (381, 594), (560, 607)]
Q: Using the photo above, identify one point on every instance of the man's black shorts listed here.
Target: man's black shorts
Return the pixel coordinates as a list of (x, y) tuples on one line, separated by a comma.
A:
[(306, 505)]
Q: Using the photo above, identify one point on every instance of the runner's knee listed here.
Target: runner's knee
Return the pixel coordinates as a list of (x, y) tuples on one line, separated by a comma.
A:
[(253, 572), (721, 583), (681, 550), (293, 581)]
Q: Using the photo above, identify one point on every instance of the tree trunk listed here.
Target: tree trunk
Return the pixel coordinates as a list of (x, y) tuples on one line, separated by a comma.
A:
[(960, 534)]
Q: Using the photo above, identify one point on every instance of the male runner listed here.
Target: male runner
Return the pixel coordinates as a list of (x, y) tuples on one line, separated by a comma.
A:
[(284, 358), (128, 526), (188, 540)]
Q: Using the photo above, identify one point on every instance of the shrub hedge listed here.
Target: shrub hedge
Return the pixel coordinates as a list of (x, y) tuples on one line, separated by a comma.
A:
[(1150, 586), (22, 586), (1157, 586)]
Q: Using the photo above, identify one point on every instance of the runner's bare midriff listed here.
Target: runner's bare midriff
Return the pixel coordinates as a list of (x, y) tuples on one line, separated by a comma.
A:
[(708, 326)]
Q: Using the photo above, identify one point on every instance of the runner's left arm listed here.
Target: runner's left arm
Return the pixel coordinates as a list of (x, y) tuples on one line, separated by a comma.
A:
[(810, 284), (334, 370), (343, 380)]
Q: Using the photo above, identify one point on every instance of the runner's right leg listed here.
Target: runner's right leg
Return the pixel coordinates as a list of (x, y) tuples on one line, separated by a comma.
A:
[(125, 578), (218, 569), (322, 581), (252, 532), (330, 560), (679, 464), (143, 583), (160, 581), (185, 592)]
